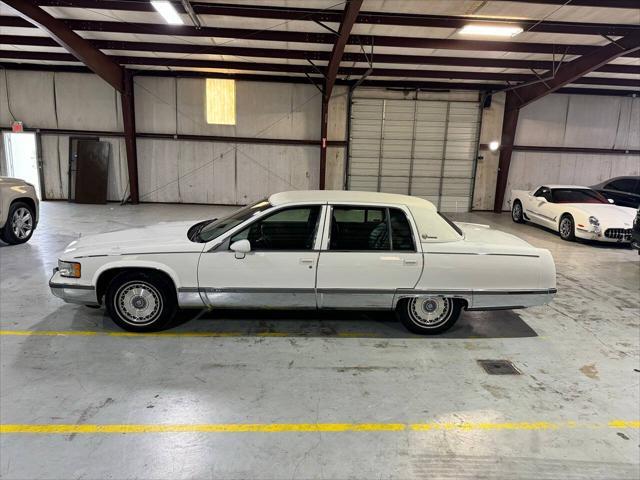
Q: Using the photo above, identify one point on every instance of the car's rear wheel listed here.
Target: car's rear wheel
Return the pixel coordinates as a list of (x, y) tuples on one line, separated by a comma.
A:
[(516, 212), (20, 223), (567, 228), (429, 315), (141, 301)]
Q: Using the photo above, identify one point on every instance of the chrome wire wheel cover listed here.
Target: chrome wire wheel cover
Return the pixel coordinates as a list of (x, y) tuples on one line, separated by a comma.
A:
[(138, 303), (565, 227), (516, 212), (430, 312), (22, 223)]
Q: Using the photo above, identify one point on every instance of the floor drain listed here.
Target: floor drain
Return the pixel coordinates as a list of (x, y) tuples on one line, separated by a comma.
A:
[(499, 367)]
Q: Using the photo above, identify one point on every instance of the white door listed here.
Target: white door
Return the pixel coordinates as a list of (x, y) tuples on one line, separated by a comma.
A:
[(22, 159), (541, 210), (280, 269), (368, 253)]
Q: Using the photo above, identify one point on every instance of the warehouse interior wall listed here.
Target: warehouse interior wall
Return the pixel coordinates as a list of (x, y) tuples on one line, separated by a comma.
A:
[(560, 120), (585, 121), (52, 100), (181, 171), (190, 171)]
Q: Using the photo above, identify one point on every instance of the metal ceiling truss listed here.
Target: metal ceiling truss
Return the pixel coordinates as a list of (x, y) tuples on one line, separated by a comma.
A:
[(372, 18), (313, 55), (309, 37), (313, 68)]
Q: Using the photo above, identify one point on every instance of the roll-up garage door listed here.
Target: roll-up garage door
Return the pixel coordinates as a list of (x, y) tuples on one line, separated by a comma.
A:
[(416, 147)]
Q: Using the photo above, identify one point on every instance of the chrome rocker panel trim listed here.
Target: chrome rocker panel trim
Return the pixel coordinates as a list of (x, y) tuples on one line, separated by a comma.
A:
[(345, 299)]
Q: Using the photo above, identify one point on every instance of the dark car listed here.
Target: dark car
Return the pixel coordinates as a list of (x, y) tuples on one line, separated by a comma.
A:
[(635, 232), (624, 191)]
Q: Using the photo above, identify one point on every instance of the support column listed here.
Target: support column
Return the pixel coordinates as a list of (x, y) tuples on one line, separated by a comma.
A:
[(129, 125), (509, 125), (323, 141)]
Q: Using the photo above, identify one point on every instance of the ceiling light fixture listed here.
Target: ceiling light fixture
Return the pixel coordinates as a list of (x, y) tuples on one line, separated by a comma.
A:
[(168, 12), (494, 145), (491, 30)]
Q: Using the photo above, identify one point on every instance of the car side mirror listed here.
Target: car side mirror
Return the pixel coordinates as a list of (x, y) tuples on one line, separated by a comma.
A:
[(611, 200), (241, 248), (542, 199)]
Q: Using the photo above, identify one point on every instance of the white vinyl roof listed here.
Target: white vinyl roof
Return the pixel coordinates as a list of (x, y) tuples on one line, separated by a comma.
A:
[(322, 196)]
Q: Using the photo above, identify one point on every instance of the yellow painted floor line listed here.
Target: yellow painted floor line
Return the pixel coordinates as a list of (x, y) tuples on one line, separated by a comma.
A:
[(52, 429), (80, 333)]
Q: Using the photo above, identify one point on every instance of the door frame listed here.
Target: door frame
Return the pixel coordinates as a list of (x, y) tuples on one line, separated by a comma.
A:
[(39, 161)]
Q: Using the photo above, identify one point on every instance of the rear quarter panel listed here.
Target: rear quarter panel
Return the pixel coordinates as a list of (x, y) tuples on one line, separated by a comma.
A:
[(449, 268)]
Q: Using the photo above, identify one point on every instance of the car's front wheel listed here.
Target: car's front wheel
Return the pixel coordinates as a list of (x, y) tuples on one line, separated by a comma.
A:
[(516, 212), (429, 315), (20, 224), (567, 228), (141, 301)]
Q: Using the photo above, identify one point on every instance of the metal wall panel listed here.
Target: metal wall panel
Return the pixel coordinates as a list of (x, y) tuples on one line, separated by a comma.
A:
[(425, 148)]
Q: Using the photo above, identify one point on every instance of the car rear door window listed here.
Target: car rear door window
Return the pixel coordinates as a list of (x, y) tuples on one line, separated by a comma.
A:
[(370, 229), (359, 228), (401, 235)]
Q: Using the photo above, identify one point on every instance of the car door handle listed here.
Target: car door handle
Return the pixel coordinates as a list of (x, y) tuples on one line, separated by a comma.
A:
[(307, 261), (410, 262)]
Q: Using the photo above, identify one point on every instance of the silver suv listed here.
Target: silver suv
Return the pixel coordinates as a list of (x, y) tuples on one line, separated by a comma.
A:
[(18, 210)]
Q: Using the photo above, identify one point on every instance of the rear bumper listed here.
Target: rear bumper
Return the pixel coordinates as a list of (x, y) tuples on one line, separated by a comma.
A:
[(488, 300), (72, 292)]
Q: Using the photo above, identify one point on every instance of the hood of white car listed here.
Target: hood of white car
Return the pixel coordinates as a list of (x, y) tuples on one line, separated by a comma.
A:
[(162, 237), (606, 213)]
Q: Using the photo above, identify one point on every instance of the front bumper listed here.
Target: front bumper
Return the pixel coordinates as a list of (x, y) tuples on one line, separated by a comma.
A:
[(599, 234), (72, 292)]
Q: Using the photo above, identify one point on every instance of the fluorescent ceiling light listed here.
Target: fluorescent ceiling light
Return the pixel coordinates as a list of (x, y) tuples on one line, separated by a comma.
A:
[(168, 12), (491, 30)]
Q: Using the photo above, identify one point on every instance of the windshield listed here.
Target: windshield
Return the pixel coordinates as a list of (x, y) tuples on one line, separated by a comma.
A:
[(577, 195), (218, 227)]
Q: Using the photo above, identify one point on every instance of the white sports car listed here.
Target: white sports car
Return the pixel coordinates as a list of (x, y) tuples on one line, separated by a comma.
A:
[(308, 250), (574, 212)]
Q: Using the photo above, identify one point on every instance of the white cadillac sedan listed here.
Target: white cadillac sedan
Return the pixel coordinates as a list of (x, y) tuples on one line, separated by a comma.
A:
[(573, 212), (308, 250)]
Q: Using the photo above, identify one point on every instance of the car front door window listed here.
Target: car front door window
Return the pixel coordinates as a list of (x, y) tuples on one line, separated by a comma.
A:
[(289, 229)]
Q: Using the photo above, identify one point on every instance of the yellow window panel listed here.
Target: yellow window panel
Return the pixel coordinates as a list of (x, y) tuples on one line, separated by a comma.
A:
[(221, 101)]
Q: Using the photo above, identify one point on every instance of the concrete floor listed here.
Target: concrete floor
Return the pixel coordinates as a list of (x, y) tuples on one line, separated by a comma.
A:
[(564, 417)]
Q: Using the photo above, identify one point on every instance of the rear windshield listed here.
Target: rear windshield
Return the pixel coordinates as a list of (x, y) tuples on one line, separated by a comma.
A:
[(450, 222), (577, 195)]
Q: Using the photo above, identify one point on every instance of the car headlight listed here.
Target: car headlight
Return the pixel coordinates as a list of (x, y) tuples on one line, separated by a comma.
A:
[(594, 221), (69, 269)]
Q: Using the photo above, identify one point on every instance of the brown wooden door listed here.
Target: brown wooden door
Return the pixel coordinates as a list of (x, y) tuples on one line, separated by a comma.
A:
[(92, 171)]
